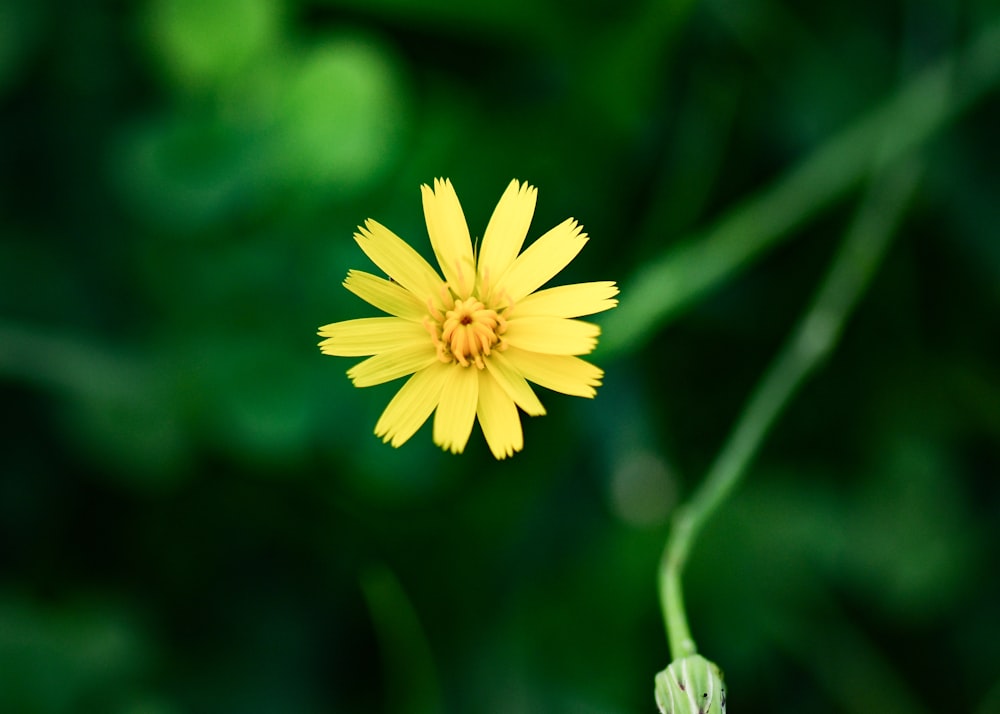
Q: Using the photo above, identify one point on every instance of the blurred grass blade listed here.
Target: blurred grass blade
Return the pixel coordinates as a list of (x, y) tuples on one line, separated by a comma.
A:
[(411, 683), (991, 703), (662, 288), (848, 662), (64, 363)]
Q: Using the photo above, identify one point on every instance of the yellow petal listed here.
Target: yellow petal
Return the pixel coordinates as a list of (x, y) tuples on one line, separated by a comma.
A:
[(542, 260), (412, 404), (560, 373), (569, 300), (387, 366), (513, 384), (399, 261), (506, 231), (449, 234), (371, 335), (386, 295), (552, 335), (498, 418), (456, 411)]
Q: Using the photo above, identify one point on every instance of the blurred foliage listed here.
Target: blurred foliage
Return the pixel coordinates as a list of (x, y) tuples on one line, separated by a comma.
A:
[(194, 513)]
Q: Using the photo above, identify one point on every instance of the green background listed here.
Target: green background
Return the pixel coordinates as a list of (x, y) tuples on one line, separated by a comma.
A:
[(194, 513)]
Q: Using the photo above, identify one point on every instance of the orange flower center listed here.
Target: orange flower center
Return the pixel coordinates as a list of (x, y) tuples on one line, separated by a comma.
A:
[(467, 332)]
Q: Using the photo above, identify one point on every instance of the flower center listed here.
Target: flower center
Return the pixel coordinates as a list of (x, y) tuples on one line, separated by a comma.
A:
[(467, 332)]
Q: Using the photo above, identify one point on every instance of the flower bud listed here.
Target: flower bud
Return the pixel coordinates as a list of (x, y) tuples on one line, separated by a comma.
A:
[(691, 685)]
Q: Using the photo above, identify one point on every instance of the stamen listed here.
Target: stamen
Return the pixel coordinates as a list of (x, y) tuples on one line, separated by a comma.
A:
[(461, 277), (484, 283), (467, 333)]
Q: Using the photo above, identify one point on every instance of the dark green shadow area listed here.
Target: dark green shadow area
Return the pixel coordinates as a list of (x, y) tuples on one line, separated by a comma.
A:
[(191, 495)]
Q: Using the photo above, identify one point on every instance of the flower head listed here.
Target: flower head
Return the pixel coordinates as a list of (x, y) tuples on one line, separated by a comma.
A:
[(472, 339)]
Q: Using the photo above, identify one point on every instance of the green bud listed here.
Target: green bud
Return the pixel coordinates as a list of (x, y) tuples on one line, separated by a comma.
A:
[(691, 685)]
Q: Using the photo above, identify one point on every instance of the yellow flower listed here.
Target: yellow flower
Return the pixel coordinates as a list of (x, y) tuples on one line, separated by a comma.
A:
[(473, 340)]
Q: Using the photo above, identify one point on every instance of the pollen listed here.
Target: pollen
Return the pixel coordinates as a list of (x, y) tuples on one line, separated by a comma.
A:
[(466, 333)]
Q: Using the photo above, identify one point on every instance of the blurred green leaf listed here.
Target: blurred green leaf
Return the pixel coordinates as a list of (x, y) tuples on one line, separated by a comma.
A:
[(68, 657), (20, 31), (342, 116), (203, 44)]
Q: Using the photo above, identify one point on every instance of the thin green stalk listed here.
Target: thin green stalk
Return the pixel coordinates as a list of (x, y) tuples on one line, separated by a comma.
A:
[(991, 702), (809, 344), (848, 663), (411, 681), (894, 128)]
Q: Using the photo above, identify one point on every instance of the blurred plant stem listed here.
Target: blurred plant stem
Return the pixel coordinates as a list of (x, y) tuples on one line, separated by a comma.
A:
[(411, 682), (991, 702), (809, 344), (890, 131), (68, 363), (847, 663)]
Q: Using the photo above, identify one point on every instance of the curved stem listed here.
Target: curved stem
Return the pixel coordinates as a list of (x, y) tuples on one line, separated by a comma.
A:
[(809, 344), (671, 592)]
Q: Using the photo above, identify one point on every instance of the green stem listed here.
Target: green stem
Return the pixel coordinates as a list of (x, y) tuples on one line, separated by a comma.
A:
[(809, 344), (850, 662), (892, 129), (411, 681)]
